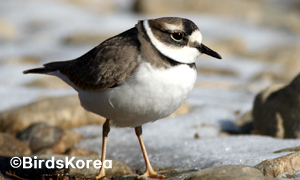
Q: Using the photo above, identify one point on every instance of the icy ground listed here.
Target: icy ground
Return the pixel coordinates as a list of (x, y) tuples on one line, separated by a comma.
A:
[(172, 145), (170, 142)]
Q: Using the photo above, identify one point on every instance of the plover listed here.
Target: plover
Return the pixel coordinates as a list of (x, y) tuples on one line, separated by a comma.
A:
[(139, 76)]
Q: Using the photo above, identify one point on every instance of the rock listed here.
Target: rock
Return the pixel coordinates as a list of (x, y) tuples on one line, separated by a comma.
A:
[(47, 139), (177, 173), (276, 110), (41, 135), (297, 148), (82, 38), (173, 174), (11, 146), (284, 166), (80, 152), (64, 112), (119, 170), (229, 172), (67, 141), (118, 167), (49, 82), (245, 123), (196, 136)]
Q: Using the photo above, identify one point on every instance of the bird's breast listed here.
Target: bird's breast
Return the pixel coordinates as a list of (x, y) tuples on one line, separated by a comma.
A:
[(153, 93)]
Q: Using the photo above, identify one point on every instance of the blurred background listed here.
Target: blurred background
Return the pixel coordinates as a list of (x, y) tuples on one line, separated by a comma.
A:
[(258, 39)]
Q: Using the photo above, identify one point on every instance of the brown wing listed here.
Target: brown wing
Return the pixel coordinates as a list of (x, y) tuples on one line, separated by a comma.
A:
[(105, 66)]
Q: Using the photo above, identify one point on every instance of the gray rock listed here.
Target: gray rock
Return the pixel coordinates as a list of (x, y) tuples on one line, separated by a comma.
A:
[(175, 174), (276, 110), (41, 135), (64, 112), (228, 172), (11, 146), (67, 141), (282, 167), (46, 139)]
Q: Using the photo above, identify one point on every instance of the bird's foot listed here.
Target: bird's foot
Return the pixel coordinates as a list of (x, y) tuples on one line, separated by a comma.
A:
[(152, 174), (101, 174)]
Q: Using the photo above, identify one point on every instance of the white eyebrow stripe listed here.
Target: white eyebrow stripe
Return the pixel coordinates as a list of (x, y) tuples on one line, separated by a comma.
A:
[(173, 27)]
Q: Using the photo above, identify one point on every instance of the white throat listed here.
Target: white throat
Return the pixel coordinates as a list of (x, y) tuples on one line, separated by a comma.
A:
[(184, 54)]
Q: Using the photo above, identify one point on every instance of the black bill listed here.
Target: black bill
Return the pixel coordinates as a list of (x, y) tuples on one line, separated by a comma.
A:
[(206, 50)]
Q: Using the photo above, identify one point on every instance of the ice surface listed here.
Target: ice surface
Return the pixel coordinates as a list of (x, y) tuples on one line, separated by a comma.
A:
[(170, 142)]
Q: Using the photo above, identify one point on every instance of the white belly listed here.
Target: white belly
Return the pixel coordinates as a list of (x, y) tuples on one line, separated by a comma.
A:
[(148, 95)]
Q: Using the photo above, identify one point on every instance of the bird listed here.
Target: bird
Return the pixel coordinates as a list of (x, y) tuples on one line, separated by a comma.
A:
[(138, 76)]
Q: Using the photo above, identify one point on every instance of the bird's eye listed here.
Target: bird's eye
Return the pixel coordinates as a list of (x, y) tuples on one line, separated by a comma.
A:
[(177, 36)]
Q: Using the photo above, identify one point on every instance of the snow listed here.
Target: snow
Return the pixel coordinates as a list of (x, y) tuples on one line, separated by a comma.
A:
[(170, 142)]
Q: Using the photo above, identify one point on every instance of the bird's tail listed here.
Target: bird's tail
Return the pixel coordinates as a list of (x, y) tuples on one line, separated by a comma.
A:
[(48, 68)]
